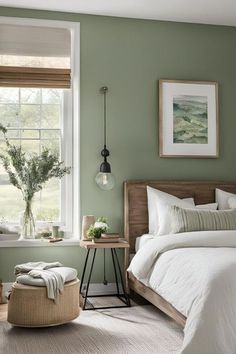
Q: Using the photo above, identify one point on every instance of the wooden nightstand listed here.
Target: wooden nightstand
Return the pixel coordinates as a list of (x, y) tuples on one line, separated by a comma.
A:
[(92, 246)]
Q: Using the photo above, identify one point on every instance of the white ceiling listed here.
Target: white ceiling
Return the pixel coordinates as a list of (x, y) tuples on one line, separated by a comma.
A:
[(221, 12)]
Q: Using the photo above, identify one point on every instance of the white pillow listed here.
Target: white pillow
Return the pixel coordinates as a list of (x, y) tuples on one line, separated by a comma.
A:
[(190, 201), (222, 198), (156, 199), (210, 206), (232, 202)]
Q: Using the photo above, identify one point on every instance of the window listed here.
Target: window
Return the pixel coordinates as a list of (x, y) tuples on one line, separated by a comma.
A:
[(34, 118), (39, 109)]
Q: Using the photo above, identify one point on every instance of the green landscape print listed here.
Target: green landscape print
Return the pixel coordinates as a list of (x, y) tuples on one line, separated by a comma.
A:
[(190, 119)]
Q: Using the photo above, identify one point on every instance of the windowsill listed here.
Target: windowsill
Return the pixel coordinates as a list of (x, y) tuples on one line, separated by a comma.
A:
[(39, 243)]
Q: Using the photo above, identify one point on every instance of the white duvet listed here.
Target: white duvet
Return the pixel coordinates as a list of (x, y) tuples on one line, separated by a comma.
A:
[(196, 273)]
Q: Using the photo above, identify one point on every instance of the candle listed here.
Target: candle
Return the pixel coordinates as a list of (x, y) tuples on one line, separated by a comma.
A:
[(87, 221)]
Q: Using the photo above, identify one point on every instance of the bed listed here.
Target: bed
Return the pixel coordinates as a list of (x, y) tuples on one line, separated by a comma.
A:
[(136, 224)]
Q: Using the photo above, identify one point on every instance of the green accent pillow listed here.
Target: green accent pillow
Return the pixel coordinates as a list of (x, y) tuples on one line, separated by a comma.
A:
[(186, 220)]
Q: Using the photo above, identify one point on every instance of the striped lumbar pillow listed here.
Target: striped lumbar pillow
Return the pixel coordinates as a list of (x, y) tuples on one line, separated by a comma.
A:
[(184, 220)]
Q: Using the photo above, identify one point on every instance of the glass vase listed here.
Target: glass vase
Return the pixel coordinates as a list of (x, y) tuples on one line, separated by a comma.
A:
[(27, 222)]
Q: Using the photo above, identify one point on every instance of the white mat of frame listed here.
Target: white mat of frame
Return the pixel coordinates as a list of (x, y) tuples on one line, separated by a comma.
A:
[(139, 329)]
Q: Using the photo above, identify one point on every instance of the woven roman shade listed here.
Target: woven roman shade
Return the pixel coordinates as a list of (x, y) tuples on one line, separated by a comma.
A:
[(33, 56), (11, 76)]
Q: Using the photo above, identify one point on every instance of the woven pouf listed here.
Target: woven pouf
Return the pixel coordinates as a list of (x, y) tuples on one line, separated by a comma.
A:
[(29, 306)]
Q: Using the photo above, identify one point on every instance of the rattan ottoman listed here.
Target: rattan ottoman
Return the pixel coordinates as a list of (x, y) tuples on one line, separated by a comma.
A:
[(29, 306)]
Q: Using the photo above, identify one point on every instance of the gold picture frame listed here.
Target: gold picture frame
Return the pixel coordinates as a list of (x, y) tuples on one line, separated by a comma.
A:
[(188, 119)]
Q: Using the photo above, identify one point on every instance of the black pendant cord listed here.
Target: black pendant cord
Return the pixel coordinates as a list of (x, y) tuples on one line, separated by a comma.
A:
[(104, 178), (105, 166), (105, 118)]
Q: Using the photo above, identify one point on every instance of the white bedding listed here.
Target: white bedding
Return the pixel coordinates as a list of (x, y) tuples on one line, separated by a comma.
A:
[(196, 273), (142, 240)]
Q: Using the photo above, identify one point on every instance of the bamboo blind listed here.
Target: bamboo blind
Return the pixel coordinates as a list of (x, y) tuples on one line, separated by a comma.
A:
[(12, 76)]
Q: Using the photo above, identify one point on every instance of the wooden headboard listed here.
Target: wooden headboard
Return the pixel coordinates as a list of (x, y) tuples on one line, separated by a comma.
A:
[(135, 200)]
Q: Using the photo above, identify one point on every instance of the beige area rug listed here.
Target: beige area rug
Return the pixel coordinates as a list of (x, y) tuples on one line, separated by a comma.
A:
[(139, 329)]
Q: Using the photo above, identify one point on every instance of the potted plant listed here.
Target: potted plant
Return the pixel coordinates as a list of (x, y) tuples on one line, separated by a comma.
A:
[(99, 227), (29, 172)]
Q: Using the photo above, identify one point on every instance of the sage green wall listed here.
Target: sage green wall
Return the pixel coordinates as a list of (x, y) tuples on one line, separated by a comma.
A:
[(130, 56)]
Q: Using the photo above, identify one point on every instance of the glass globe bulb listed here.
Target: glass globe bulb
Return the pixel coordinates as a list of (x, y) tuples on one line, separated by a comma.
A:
[(105, 181)]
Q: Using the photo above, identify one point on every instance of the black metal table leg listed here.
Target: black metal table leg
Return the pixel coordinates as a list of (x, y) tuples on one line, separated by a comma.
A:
[(84, 270), (121, 279), (114, 266), (89, 278)]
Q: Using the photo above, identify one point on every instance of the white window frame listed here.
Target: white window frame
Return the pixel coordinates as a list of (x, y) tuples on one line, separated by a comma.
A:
[(70, 200)]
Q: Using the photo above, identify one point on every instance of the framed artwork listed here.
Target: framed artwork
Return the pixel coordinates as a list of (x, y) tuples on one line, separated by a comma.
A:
[(188, 119)]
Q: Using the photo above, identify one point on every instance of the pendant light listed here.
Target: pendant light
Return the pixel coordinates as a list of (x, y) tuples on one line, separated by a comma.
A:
[(104, 179)]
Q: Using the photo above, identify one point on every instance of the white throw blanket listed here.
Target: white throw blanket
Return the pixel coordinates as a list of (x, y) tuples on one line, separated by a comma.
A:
[(54, 281), (27, 267), (196, 273)]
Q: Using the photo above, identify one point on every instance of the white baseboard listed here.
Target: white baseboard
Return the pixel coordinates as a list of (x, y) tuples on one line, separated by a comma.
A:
[(5, 289)]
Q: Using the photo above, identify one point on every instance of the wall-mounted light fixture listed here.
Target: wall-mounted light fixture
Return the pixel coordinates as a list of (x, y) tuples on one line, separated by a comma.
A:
[(104, 179)]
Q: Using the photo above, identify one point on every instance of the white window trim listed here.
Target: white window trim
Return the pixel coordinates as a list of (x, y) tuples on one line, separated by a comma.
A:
[(73, 192), (67, 148)]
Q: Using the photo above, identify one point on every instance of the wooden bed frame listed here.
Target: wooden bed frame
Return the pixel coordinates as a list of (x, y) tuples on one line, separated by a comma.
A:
[(136, 224)]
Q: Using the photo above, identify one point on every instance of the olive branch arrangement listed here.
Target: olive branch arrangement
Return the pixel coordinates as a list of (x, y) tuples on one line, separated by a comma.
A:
[(30, 171)]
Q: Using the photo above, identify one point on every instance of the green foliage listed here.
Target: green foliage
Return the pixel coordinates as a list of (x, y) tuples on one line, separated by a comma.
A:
[(94, 232), (29, 172)]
